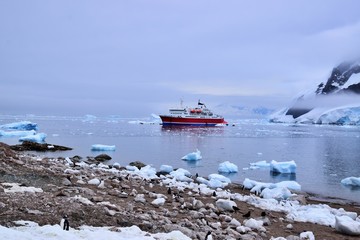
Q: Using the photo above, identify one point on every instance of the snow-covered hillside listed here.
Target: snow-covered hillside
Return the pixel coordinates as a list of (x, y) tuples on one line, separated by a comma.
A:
[(335, 102)]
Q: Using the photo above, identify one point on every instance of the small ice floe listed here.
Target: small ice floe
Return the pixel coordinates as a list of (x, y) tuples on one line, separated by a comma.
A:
[(351, 181), (194, 156), (16, 187), (259, 164), (283, 167), (16, 133), (102, 147), (227, 167), (166, 168), (39, 138), (23, 125), (347, 225)]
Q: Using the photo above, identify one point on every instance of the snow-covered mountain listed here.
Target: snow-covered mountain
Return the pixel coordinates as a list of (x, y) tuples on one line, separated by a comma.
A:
[(240, 112), (336, 101)]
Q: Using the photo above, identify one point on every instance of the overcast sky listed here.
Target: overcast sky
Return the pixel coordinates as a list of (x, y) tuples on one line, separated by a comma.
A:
[(133, 58)]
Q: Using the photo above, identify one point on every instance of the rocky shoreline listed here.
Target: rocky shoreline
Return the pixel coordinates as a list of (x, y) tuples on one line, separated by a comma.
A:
[(92, 193)]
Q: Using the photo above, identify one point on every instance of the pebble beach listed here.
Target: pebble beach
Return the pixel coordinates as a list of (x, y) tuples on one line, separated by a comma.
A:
[(91, 193)]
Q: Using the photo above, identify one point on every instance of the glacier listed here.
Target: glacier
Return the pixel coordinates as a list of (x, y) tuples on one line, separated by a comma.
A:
[(345, 115)]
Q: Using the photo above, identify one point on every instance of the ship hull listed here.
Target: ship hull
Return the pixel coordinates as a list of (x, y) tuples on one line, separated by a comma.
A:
[(190, 121)]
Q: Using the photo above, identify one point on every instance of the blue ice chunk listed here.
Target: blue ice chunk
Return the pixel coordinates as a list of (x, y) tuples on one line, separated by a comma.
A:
[(101, 147), (283, 167), (16, 133), (39, 138), (23, 125), (227, 167), (351, 181), (166, 168), (194, 156)]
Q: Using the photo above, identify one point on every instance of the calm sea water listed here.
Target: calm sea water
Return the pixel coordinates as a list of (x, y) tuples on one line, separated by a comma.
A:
[(324, 154)]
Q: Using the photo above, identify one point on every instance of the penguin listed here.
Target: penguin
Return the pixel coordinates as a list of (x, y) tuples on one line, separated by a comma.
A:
[(235, 208), (169, 191), (65, 223), (263, 214), (214, 194), (208, 236), (247, 215)]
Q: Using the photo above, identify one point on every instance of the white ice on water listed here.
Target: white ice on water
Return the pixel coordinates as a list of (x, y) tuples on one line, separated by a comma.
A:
[(351, 181), (283, 167), (193, 156), (39, 138), (227, 167), (22, 125), (102, 147), (18, 133), (166, 168)]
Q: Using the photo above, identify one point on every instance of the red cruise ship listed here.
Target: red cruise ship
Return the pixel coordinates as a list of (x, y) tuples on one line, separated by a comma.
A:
[(198, 116)]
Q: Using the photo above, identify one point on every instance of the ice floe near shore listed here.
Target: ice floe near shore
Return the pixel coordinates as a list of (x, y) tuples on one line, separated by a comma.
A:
[(227, 167), (193, 156), (283, 167), (351, 181), (38, 137), (102, 147)]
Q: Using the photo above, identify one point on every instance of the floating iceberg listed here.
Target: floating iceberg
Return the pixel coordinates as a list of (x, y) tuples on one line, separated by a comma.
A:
[(101, 147), (227, 167), (39, 138), (17, 133), (23, 125), (351, 181), (194, 156), (283, 167)]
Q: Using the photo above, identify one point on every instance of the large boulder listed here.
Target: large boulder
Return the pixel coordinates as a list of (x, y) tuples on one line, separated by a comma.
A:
[(40, 147)]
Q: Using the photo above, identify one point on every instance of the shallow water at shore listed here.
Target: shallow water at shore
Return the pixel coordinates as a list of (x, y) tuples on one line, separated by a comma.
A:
[(324, 154)]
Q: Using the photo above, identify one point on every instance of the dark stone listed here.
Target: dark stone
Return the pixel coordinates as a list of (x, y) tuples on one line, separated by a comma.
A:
[(6, 151), (40, 147), (137, 164), (102, 157)]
